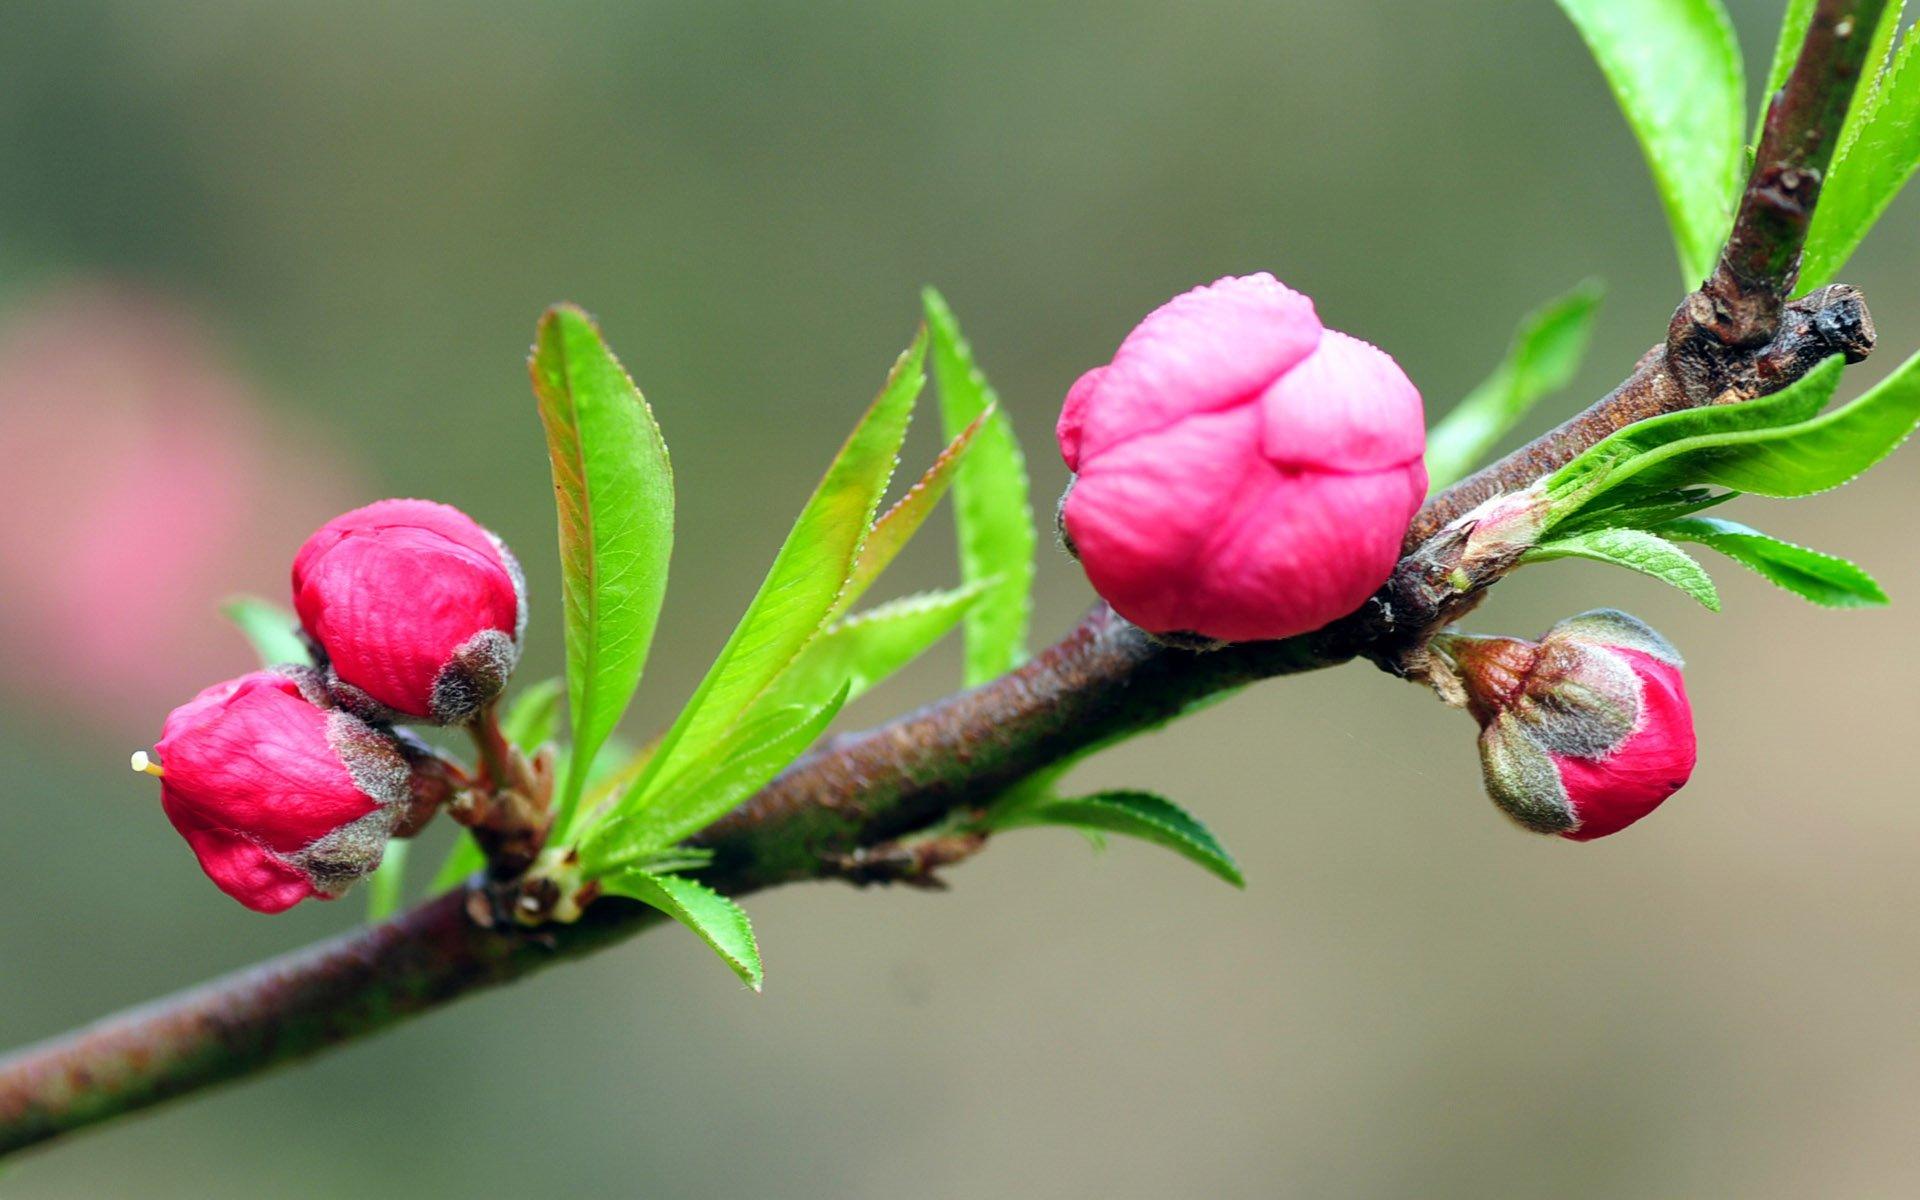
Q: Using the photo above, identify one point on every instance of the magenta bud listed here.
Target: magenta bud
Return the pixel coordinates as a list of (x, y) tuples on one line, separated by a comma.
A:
[(1584, 732), (280, 796), (1240, 472), (419, 611)]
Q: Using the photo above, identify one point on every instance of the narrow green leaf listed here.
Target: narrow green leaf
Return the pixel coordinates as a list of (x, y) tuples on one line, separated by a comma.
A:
[(1869, 172), (613, 486), (1648, 512), (860, 651), (1674, 67), (533, 716), (991, 509), (1797, 460), (720, 922), (1821, 578), (387, 885), (896, 526), (1684, 436), (1545, 353), (1637, 550), (272, 631), (462, 861), (806, 579), (710, 787), (1140, 815)]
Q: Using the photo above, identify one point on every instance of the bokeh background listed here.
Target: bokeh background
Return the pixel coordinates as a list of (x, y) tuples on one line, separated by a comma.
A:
[(262, 261)]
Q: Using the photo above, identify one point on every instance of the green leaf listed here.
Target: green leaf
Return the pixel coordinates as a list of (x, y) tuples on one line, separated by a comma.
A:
[(1140, 815), (1797, 460), (272, 631), (613, 486), (720, 922), (805, 582), (898, 524), (1648, 512), (991, 510), (1546, 351), (734, 768), (533, 716), (1674, 67), (1821, 578), (1868, 170), (387, 885), (1681, 438), (463, 859), (860, 651), (1637, 550)]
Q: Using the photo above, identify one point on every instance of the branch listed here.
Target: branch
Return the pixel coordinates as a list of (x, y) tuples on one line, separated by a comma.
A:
[(1740, 304), (1733, 339), (1104, 679)]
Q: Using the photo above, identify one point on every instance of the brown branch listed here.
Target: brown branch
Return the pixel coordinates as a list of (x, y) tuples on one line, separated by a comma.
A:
[(848, 805), (1104, 679), (1740, 304)]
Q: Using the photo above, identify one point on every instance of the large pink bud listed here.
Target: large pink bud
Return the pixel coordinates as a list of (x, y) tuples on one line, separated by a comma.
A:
[(280, 799), (418, 609), (1584, 732), (1240, 472)]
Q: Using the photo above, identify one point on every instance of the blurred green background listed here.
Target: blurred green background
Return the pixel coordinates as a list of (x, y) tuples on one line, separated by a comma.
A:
[(340, 220)]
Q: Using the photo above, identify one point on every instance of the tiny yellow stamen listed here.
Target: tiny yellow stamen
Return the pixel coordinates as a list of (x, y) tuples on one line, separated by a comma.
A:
[(143, 763)]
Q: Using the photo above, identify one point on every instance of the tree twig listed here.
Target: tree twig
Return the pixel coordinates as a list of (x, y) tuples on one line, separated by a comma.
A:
[(1104, 679), (1739, 305)]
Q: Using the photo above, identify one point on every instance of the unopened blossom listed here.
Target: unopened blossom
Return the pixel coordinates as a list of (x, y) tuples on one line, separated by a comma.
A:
[(1240, 472), (280, 795), (419, 611), (1584, 732)]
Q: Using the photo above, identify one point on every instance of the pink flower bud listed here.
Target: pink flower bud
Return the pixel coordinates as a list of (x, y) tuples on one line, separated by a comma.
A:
[(418, 609), (280, 798), (1583, 733), (1240, 472)]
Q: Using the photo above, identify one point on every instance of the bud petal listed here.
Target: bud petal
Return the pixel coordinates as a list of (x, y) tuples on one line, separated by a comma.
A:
[(419, 610), (1241, 473), (280, 799)]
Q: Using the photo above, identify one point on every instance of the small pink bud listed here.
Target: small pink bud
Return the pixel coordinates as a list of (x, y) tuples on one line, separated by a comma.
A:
[(418, 609), (1584, 732), (280, 798), (1241, 473)]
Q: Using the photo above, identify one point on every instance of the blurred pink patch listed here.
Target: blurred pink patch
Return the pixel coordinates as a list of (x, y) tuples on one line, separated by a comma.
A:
[(141, 481)]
